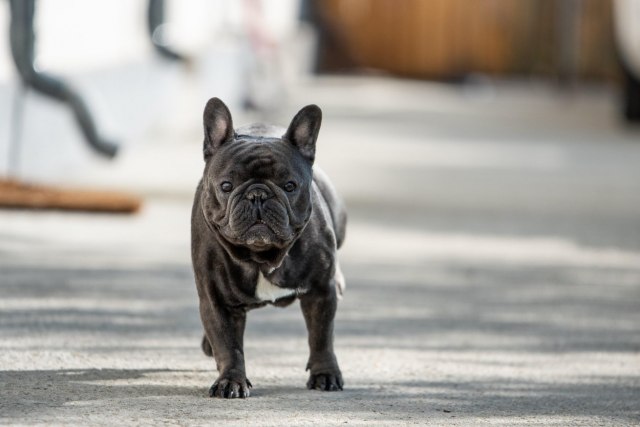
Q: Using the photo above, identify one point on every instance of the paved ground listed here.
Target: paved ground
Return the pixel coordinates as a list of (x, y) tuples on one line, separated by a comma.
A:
[(493, 267)]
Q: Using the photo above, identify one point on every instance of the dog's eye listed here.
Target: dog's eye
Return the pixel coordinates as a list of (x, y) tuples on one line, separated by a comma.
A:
[(290, 186), (226, 186)]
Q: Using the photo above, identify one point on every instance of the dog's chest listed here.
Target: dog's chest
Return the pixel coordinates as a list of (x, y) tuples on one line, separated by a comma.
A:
[(267, 291)]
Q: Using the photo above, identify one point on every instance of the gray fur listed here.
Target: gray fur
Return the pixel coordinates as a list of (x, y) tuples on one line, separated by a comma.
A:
[(246, 222)]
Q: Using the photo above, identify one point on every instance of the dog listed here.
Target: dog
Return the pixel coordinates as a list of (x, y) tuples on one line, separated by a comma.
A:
[(265, 229)]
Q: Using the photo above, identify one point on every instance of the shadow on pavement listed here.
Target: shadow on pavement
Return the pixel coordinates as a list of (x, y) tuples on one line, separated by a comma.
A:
[(451, 340), (134, 393)]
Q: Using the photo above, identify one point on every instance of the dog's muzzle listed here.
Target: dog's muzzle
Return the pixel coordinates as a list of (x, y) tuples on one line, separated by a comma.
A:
[(257, 194)]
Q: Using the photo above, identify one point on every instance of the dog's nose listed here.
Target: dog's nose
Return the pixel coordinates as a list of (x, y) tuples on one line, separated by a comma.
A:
[(258, 192)]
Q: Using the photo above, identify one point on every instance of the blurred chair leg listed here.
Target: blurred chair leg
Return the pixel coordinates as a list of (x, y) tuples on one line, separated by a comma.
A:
[(18, 195), (155, 20), (22, 38)]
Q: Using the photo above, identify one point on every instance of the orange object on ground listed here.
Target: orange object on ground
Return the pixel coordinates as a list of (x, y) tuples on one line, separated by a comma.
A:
[(18, 195)]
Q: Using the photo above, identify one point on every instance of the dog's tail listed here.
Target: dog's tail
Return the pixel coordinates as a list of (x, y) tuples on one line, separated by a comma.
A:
[(206, 346)]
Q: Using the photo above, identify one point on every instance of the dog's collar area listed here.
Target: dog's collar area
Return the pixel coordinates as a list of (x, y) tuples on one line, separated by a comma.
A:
[(268, 270)]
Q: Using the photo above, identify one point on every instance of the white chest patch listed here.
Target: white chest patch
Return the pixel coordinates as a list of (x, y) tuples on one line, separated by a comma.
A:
[(267, 291)]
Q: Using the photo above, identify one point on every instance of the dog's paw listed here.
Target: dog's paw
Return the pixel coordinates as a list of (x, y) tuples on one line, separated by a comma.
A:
[(231, 388), (325, 381)]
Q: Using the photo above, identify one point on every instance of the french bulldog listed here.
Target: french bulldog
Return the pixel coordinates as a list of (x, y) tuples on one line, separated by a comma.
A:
[(265, 229)]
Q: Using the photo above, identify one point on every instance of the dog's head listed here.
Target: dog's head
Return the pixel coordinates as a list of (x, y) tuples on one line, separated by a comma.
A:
[(256, 188)]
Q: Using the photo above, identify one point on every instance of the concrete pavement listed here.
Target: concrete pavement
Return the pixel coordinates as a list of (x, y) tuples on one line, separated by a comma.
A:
[(492, 261)]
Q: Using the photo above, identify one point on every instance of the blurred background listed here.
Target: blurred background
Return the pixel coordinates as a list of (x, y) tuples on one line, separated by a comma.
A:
[(261, 57), (488, 153)]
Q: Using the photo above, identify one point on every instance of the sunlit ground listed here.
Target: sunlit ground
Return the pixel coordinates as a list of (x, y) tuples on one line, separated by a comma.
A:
[(492, 264)]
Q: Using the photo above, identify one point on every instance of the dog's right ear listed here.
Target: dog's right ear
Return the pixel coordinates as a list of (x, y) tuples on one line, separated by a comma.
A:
[(218, 126)]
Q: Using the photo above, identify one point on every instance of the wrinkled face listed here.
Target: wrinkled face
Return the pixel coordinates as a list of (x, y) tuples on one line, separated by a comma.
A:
[(258, 192), (257, 182)]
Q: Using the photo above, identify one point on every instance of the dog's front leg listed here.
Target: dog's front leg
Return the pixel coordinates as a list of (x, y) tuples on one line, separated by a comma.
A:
[(224, 328), (319, 309)]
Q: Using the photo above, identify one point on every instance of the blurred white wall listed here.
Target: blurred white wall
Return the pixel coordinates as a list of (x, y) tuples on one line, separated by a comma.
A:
[(103, 50)]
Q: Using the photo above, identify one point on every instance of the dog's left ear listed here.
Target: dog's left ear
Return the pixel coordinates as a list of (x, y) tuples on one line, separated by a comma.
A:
[(303, 131), (218, 126)]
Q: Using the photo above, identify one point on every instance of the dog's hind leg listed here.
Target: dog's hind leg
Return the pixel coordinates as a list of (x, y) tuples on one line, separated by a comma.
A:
[(206, 346)]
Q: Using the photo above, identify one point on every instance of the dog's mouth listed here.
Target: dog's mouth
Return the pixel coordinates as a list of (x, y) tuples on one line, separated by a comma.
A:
[(259, 225), (259, 235)]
